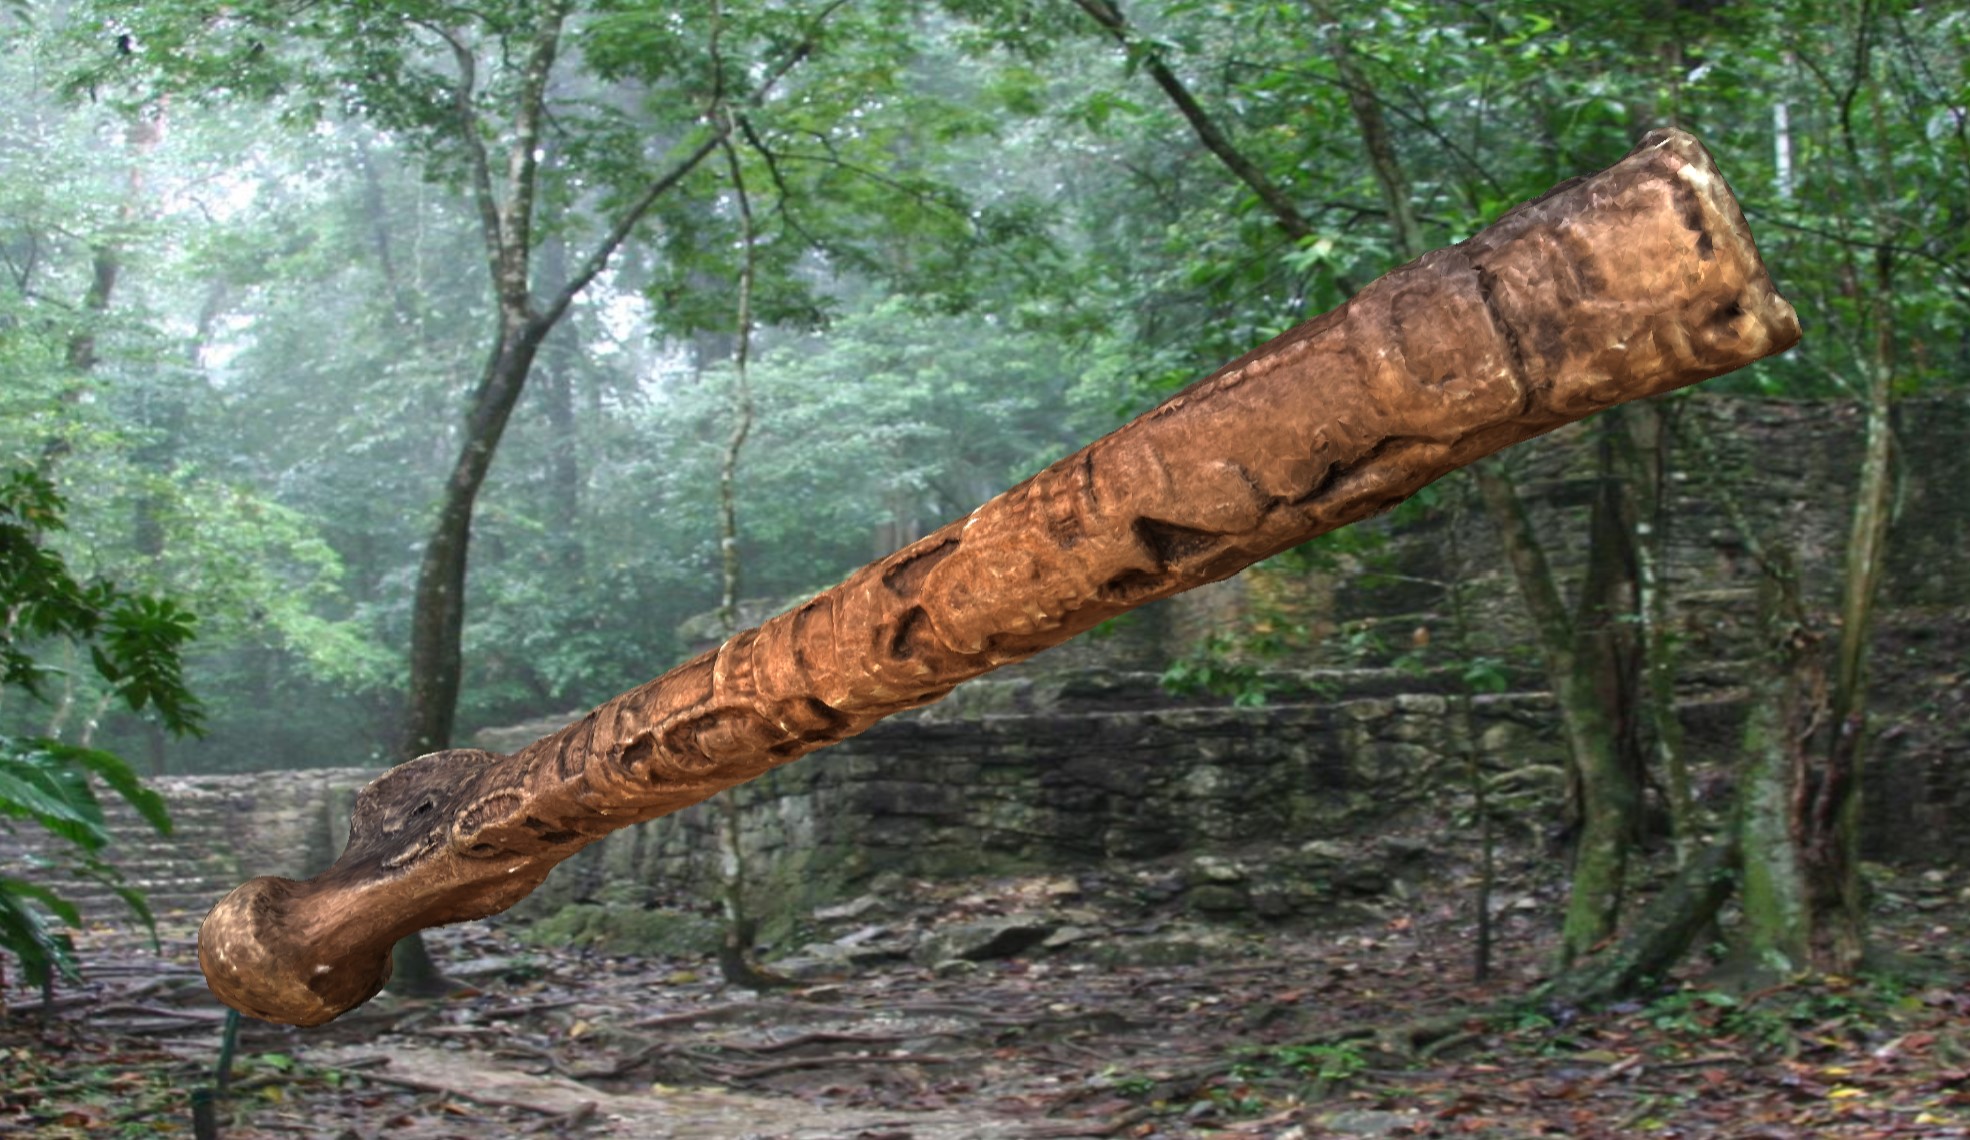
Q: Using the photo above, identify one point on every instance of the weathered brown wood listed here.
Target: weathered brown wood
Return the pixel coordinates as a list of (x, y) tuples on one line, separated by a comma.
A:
[(1638, 280)]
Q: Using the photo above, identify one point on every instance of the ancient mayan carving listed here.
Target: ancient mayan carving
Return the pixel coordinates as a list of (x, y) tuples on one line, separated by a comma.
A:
[(1635, 281)]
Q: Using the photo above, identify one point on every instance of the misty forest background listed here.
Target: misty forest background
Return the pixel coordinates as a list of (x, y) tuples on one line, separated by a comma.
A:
[(647, 309), (247, 308)]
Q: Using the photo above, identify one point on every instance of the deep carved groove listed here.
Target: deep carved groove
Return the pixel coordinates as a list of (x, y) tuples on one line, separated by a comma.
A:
[(1521, 375), (1130, 587), (1171, 543), (831, 721), (905, 578), (1268, 502), (1339, 475), (1515, 350), (548, 833), (635, 757), (684, 752), (902, 643)]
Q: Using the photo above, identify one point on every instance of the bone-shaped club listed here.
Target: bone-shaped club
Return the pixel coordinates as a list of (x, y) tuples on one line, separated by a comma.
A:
[(1634, 281)]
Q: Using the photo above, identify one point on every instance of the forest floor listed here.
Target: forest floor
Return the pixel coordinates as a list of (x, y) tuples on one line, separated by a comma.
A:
[(1243, 1032)]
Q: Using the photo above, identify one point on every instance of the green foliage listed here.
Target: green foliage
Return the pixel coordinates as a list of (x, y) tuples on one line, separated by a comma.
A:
[(47, 783), (1124, 1082), (1325, 1066), (135, 641), (1328, 1063), (1769, 1022), (1690, 1011), (1232, 665), (134, 644)]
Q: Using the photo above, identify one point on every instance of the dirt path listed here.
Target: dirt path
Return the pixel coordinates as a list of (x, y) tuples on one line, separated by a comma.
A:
[(1024, 1009)]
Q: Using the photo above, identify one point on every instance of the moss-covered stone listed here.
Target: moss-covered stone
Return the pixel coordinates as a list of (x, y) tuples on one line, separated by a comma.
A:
[(615, 929), (1217, 900)]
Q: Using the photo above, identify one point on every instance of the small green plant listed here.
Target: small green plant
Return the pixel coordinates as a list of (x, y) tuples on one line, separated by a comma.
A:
[(1689, 1011), (1712, 1013), (278, 1062), (1214, 669), (1327, 1063), (1239, 1101), (1125, 1083)]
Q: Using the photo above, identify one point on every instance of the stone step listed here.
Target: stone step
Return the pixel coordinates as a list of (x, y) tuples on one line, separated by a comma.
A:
[(177, 846), (179, 894), (180, 821), (131, 861), (88, 899), (176, 907), (133, 877)]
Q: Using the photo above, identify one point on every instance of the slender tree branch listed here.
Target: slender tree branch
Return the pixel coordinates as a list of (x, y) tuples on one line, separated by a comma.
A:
[(782, 200), (712, 37), (1283, 211), (914, 193), (1777, 568), (1946, 265), (598, 260), (1421, 121), (592, 266), (742, 411), (478, 165), (523, 157), (1375, 137), (1528, 561)]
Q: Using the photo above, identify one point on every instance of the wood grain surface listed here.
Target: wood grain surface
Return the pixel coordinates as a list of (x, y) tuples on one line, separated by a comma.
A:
[(1635, 281)]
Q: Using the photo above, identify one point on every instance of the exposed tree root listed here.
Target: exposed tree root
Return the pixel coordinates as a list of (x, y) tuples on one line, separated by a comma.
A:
[(760, 1072), (1659, 937), (418, 1084)]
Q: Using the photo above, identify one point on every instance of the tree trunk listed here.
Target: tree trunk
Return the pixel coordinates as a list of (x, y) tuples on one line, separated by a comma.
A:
[(438, 614), (1776, 937), (1605, 779), (507, 224), (438, 617), (105, 264), (1463, 728), (1602, 778), (141, 136), (414, 973), (1644, 445), (1830, 830), (735, 952), (1802, 907), (1660, 936), (558, 376)]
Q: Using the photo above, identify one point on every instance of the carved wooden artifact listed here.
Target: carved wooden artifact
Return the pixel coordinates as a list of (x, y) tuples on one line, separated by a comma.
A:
[(1637, 280)]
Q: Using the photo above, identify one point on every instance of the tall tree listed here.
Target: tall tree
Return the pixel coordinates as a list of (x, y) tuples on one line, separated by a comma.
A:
[(1882, 209), (1580, 651), (476, 89)]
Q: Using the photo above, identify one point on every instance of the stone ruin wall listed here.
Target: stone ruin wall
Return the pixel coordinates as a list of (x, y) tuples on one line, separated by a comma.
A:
[(920, 796), (1077, 759)]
